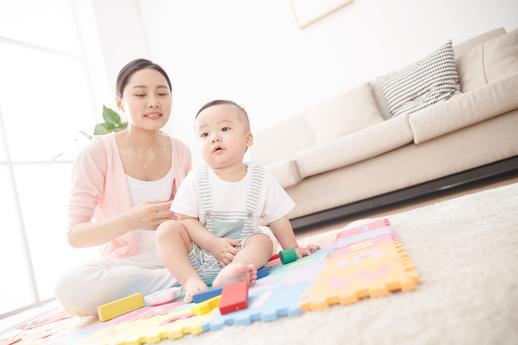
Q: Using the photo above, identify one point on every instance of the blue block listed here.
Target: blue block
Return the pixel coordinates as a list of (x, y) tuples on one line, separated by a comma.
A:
[(207, 294), (262, 272)]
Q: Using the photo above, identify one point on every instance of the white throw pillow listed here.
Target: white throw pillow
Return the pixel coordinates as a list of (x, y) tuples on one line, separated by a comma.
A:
[(343, 114), (426, 82)]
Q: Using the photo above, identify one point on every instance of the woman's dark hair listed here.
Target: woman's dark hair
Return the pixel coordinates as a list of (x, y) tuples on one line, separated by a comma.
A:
[(134, 66)]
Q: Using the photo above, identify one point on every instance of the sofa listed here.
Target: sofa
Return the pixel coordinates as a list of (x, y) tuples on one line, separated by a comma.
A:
[(349, 154)]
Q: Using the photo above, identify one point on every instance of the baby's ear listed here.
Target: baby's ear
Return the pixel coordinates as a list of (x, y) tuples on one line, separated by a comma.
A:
[(249, 139)]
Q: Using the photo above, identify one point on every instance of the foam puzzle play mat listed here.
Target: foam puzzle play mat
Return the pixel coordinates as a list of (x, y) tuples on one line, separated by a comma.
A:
[(365, 261)]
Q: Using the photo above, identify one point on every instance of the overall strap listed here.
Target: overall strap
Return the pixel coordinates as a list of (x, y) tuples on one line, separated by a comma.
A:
[(205, 196), (254, 193)]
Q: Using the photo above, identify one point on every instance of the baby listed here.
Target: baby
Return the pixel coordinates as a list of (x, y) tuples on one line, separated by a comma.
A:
[(216, 239)]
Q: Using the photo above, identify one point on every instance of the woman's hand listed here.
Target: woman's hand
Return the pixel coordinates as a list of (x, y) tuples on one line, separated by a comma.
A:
[(149, 215), (224, 249)]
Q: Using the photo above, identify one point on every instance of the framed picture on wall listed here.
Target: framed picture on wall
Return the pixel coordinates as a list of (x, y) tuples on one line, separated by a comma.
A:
[(307, 12)]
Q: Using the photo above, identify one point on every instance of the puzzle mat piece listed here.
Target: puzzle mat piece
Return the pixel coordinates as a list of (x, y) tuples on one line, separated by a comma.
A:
[(172, 325), (48, 333), (90, 326), (368, 261)]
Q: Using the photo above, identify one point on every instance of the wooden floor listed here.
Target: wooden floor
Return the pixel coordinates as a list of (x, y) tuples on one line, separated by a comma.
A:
[(300, 234)]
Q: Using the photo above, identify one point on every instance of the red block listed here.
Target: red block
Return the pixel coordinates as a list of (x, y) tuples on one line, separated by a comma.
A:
[(234, 297), (274, 256)]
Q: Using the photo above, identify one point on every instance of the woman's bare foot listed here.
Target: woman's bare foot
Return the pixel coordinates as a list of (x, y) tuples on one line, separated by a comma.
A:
[(236, 272), (193, 286)]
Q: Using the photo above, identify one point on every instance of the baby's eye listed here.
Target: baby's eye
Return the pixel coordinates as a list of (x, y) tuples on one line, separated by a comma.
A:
[(224, 129), (204, 135)]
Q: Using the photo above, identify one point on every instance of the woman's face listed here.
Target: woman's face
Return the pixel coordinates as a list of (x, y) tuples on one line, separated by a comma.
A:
[(146, 100)]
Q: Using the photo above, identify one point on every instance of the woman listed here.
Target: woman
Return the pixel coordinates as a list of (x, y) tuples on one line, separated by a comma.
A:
[(125, 181)]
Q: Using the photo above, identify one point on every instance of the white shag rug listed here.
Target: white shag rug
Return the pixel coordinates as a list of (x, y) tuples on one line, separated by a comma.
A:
[(466, 252)]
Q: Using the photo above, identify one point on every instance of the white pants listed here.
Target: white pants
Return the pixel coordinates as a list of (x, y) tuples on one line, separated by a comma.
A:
[(81, 289)]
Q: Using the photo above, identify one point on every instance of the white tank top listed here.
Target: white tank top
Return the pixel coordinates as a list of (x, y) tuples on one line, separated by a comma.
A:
[(141, 191)]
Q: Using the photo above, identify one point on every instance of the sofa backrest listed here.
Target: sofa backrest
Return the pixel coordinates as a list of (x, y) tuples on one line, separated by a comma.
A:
[(491, 60), (464, 47), (281, 141), (333, 118)]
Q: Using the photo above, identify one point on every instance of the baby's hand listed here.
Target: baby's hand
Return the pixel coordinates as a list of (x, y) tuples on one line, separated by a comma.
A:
[(305, 251), (313, 248), (224, 250)]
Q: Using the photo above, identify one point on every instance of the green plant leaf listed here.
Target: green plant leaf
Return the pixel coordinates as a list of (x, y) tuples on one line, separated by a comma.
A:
[(100, 129), (121, 125), (110, 116)]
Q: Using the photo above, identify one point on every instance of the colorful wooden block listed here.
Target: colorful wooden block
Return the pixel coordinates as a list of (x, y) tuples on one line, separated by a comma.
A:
[(206, 306), (288, 255), (207, 294), (120, 306), (262, 272), (234, 297)]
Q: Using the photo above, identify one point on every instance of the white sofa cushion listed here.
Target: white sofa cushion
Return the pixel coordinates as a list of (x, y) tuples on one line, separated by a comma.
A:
[(281, 141), (355, 147), (466, 109), (427, 81), (490, 61), (343, 114)]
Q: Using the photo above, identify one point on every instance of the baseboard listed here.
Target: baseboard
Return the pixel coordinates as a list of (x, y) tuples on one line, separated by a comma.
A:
[(467, 179)]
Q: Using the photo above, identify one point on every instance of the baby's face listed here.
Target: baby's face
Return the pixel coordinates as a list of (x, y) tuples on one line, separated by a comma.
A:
[(223, 135)]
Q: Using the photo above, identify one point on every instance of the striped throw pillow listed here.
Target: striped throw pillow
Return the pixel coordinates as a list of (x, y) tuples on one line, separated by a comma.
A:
[(426, 82)]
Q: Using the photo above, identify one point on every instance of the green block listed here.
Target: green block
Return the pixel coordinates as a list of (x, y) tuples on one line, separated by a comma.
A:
[(288, 255)]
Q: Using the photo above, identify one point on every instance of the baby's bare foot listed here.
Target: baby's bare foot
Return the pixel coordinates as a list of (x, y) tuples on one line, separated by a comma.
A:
[(235, 272), (193, 286)]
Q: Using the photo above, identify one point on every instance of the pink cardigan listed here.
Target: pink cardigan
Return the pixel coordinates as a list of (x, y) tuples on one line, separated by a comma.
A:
[(100, 191)]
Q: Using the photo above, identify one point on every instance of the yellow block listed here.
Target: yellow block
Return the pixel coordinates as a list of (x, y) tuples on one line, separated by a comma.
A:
[(120, 306), (206, 306)]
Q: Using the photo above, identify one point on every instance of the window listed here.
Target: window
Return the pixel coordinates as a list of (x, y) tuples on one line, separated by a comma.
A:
[(13, 262), (45, 100), (48, 24)]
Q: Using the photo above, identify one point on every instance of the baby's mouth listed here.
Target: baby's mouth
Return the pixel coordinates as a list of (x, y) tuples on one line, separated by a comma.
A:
[(217, 149)]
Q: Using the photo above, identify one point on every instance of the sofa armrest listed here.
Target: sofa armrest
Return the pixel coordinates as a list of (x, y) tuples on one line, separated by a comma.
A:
[(285, 172), (465, 109), (355, 147)]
